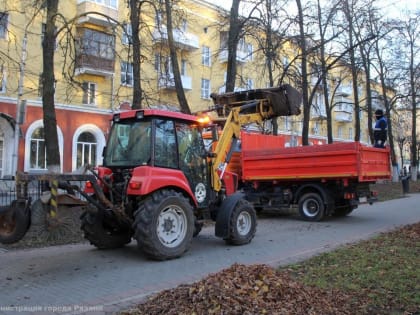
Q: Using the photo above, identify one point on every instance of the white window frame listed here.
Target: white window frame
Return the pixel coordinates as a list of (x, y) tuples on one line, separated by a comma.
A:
[(4, 23), (250, 84), (205, 88), (340, 132), (108, 3), (35, 125), (127, 75), (250, 51), (205, 56), (100, 142), (3, 79), (184, 67), (87, 93), (127, 34)]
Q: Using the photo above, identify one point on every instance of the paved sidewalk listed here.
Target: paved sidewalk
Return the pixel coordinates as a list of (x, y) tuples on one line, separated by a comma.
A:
[(79, 279)]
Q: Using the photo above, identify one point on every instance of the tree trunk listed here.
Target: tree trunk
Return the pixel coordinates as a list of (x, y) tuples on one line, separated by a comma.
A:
[(232, 45), (135, 23), (305, 101), (50, 120), (174, 61)]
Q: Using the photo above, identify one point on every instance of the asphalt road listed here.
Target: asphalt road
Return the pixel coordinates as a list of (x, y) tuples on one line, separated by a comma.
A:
[(79, 279)]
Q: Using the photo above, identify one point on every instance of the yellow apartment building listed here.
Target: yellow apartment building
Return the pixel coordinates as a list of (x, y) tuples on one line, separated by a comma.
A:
[(94, 76)]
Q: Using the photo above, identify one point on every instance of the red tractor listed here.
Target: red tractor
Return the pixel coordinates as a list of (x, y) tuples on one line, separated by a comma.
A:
[(158, 182)]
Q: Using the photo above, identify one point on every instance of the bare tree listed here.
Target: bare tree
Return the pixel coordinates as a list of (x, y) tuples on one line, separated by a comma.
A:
[(410, 32), (135, 11), (174, 61), (48, 83)]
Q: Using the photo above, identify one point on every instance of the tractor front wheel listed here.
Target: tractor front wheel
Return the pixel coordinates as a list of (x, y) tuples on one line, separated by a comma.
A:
[(164, 225), (101, 235), (243, 224)]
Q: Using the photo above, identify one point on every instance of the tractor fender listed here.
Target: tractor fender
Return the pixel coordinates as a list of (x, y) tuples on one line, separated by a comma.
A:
[(224, 213)]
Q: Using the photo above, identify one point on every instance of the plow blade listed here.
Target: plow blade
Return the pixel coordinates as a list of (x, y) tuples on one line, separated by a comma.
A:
[(14, 221)]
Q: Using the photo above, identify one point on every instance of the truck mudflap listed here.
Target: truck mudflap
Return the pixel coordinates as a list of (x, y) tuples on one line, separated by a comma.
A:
[(236, 220), (14, 221)]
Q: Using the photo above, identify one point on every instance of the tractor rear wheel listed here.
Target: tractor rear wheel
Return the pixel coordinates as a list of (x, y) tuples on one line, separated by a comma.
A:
[(164, 225), (101, 235), (243, 224), (14, 223)]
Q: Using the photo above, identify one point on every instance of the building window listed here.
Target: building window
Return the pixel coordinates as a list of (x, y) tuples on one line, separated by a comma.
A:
[(89, 93), (2, 79), (109, 3), (38, 153), (3, 24), (158, 19), (249, 84), (127, 34), (205, 56), (86, 149), (183, 67), (97, 44), (205, 88), (157, 62), (126, 73), (350, 133), (184, 25), (340, 132), (250, 51)]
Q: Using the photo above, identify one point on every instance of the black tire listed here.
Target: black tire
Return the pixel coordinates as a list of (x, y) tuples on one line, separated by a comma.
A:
[(101, 235), (164, 225), (311, 207), (198, 226), (243, 224), (14, 223), (343, 210)]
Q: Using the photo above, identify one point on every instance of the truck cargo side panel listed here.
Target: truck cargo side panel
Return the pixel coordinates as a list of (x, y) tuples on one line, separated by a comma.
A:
[(265, 158)]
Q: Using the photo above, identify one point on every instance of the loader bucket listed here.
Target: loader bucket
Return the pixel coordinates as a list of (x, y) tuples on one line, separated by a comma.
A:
[(285, 100), (14, 221)]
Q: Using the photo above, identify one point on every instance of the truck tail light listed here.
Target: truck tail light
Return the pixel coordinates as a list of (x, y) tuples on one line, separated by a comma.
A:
[(89, 184), (349, 195)]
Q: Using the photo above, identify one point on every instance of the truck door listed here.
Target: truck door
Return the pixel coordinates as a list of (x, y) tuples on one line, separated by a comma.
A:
[(193, 161)]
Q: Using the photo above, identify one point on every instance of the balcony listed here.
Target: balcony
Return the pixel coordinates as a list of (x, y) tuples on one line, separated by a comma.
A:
[(86, 6), (168, 82), (344, 90), (318, 112), (241, 56), (343, 116), (222, 89), (89, 64), (182, 40)]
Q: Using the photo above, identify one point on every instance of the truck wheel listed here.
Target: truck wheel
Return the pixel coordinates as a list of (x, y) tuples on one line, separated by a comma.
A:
[(311, 207), (342, 211), (14, 223), (102, 236), (243, 224), (164, 225)]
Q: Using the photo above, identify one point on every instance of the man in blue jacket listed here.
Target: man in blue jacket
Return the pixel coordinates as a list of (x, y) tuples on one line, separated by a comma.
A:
[(381, 129)]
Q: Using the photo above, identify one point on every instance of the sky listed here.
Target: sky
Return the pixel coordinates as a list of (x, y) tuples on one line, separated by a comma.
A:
[(393, 7)]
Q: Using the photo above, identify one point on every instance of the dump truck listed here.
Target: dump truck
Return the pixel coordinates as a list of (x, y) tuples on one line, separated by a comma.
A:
[(158, 182), (318, 180)]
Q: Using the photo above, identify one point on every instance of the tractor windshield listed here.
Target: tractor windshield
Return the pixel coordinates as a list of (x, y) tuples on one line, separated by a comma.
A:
[(129, 144)]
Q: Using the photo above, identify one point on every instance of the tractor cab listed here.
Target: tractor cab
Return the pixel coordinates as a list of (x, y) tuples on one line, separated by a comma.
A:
[(170, 143)]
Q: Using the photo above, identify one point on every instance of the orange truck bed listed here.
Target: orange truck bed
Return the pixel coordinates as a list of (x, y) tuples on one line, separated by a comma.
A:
[(263, 157)]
